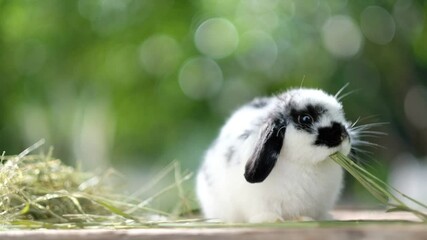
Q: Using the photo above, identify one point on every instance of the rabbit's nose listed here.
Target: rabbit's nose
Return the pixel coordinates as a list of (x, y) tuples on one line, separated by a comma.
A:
[(331, 136)]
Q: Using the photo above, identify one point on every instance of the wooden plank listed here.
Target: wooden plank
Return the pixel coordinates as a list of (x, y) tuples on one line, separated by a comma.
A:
[(377, 232), (368, 231), (346, 215)]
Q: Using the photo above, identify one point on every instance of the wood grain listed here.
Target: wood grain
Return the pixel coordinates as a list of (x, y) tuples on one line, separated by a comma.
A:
[(365, 230)]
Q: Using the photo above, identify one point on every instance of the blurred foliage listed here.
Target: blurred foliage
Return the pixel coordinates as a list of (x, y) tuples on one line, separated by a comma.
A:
[(139, 82)]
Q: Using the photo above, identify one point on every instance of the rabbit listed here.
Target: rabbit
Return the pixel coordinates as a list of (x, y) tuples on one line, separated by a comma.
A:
[(271, 161)]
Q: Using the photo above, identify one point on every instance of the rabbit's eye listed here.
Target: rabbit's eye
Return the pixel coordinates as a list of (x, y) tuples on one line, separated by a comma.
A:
[(305, 119)]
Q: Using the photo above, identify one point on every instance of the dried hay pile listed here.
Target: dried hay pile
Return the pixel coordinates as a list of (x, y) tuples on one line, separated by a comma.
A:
[(40, 191)]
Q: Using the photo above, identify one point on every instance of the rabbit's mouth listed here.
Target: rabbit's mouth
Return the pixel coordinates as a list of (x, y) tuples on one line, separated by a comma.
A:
[(331, 136)]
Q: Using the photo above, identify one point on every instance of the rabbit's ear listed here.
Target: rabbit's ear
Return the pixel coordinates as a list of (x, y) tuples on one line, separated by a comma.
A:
[(266, 152)]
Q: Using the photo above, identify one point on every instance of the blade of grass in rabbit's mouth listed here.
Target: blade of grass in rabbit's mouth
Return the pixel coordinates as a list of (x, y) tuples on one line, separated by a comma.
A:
[(378, 188)]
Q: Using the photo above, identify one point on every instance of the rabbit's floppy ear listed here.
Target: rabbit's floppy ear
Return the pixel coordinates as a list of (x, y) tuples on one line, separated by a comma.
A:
[(266, 152)]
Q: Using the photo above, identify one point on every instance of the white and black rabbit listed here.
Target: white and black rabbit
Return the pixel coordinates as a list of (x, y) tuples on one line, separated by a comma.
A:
[(271, 162)]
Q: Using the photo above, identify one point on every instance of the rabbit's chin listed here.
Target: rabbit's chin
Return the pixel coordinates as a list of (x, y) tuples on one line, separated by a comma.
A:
[(325, 152), (343, 148)]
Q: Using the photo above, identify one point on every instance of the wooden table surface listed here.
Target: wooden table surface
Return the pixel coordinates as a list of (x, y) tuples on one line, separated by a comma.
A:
[(365, 230)]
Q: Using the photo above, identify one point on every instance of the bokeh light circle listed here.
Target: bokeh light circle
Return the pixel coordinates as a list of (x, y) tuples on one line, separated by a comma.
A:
[(377, 25), (216, 38), (257, 51), (416, 106), (409, 18), (261, 14), (200, 78), (341, 36), (160, 55)]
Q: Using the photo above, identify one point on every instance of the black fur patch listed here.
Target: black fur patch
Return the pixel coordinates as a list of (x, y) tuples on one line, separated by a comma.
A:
[(315, 111), (266, 152), (331, 136), (259, 102)]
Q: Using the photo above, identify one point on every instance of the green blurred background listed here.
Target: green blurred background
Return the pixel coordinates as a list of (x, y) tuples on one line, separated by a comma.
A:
[(138, 83)]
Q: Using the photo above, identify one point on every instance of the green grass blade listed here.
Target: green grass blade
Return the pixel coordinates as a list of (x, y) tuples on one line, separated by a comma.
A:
[(378, 188)]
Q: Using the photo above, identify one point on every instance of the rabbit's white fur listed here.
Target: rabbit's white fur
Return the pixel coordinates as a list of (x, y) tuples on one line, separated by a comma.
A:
[(304, 182)]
